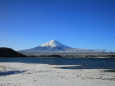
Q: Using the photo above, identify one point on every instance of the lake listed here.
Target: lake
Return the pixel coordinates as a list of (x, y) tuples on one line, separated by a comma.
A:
[(87, 63)]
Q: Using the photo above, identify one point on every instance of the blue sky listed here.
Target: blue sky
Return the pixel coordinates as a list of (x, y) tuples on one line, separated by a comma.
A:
[(88, 24)]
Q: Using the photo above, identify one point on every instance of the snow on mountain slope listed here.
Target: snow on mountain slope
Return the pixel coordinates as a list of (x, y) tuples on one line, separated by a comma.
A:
[(52, 43), (54, 46)]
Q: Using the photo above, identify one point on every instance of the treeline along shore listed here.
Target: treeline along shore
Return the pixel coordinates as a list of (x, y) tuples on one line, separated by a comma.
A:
[(76, 55), (8, 52)]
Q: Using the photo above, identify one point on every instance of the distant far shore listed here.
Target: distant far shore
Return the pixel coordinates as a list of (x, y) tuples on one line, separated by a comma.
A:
[(74, 56)]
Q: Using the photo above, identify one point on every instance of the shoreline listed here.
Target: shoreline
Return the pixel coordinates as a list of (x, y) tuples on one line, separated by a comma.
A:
[(28, 74), (75, 55)]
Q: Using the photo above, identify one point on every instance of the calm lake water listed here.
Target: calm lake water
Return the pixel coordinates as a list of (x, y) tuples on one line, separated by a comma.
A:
[(87, 63)]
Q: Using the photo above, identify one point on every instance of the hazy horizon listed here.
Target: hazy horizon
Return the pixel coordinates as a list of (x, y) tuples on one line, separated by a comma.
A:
[(87, 24)]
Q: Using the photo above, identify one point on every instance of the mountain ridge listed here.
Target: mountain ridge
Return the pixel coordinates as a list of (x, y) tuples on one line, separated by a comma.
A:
[(55, 47), (9, 52)]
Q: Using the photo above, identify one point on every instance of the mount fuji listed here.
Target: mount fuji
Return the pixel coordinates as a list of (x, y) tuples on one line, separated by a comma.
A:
[(55, 47)]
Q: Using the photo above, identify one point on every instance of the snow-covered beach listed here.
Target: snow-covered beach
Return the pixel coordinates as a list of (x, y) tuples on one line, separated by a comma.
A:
[(28, 74)]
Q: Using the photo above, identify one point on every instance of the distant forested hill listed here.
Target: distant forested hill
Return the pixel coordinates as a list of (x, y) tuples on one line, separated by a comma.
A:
[(8, 52)]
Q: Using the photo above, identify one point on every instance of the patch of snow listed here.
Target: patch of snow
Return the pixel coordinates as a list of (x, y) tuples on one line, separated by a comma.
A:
[(52, 43)]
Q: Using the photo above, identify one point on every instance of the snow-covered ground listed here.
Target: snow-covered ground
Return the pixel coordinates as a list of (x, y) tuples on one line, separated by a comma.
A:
[(23, 74)]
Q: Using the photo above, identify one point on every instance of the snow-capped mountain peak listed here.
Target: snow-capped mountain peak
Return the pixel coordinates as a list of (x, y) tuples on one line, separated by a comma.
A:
[(52, 43), (55, 47)]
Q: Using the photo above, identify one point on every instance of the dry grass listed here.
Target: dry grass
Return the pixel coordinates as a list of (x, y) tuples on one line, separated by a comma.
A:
[(2, 67)]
